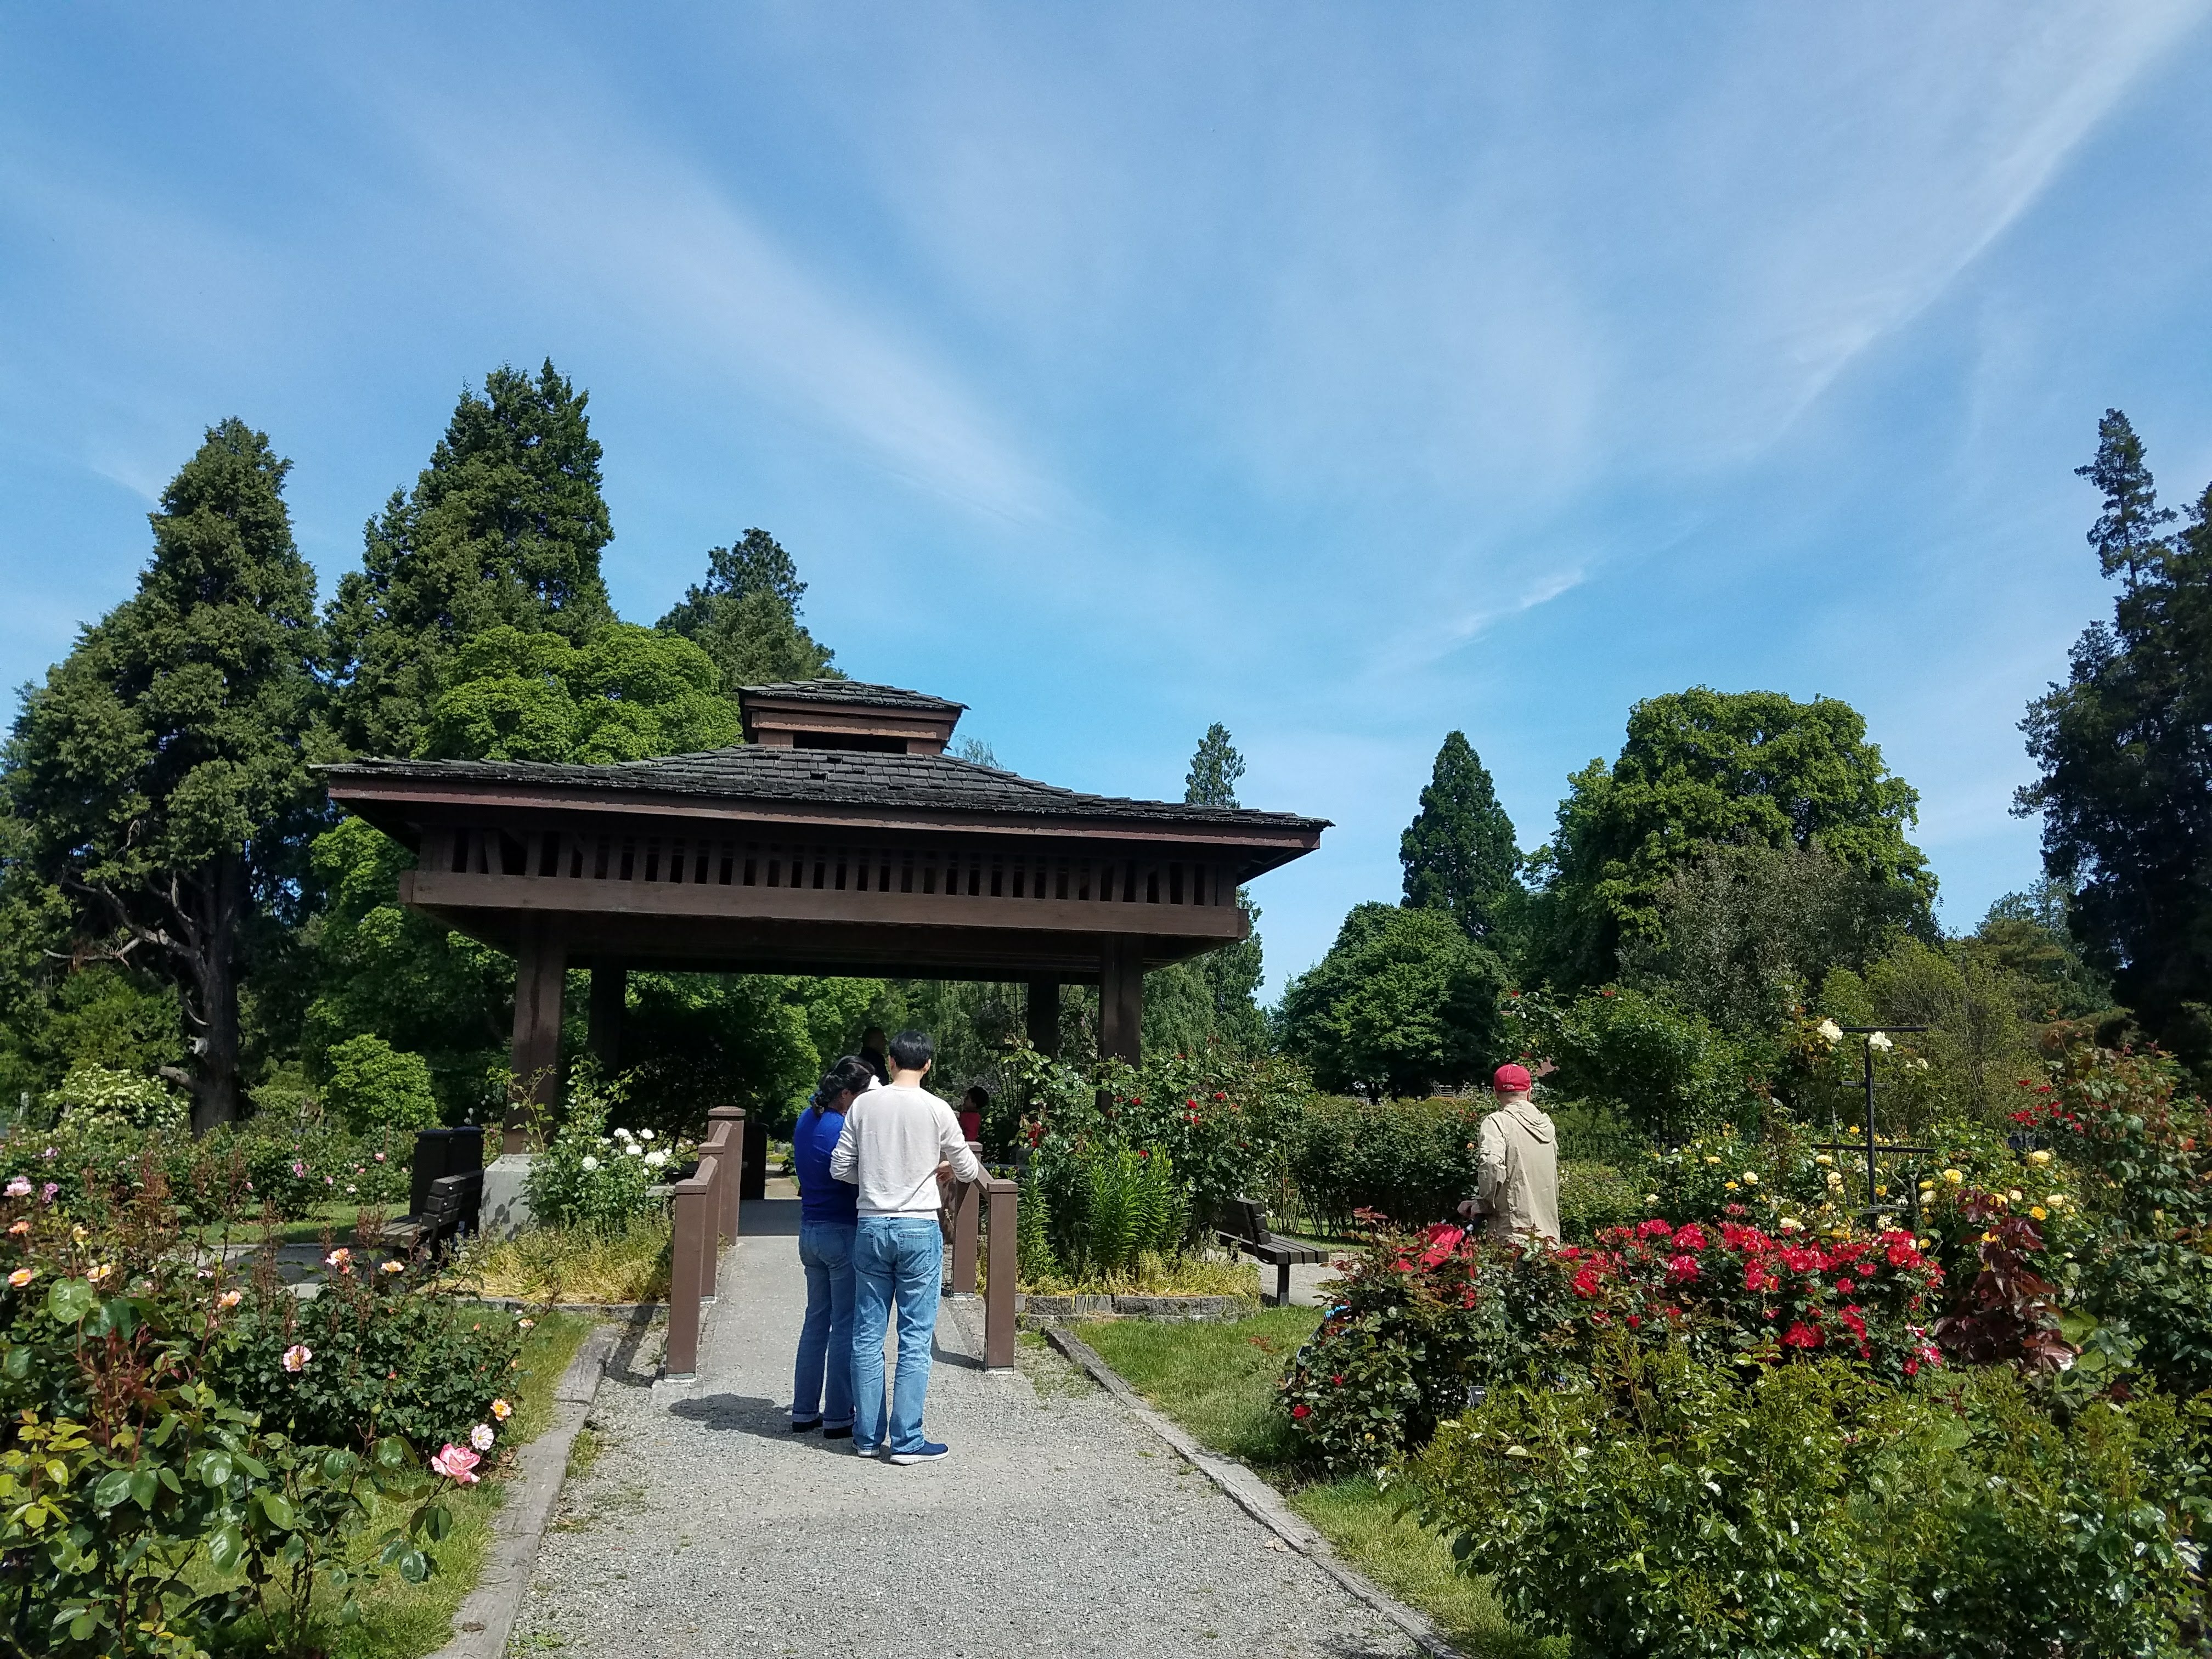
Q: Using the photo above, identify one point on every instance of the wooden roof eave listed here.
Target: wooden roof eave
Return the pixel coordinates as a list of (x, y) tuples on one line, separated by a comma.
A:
[(400, 807)]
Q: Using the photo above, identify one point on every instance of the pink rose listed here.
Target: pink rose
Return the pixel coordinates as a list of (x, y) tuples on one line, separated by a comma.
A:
[(456, 1463)]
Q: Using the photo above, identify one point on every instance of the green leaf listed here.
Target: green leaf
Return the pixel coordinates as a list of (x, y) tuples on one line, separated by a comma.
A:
[(111, 1489), (144, 1488), (226, 1547), (278, 1508), (339, 1464), (414, 1565), (216, 1468), (70, 1300), (434, 1519), (394, 1453)]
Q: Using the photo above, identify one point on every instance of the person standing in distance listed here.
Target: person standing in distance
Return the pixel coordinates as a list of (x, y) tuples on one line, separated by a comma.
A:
[(872, 1050), (895, 1142), (1516, 1164)]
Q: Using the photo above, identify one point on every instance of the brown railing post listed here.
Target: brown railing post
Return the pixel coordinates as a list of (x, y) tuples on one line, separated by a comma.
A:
[(733, 1155), (999, 1293), (715, 1167), (967, 1208), (690, 1271)]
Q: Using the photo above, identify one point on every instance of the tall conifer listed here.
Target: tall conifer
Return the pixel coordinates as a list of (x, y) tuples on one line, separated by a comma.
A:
[(1458, 853), (745, 616), (158, 775), (504, 527)]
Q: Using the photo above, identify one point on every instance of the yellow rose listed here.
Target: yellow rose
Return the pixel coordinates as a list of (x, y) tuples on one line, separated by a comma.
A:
[(1954, 1176), (2038, 1156), (2038, 1211)]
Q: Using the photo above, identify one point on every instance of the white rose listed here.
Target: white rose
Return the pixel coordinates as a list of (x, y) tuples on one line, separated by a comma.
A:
[(590, 1162), (1880, 1042), (647, 1135), (1830, 1031), (634, 1150), (654, 1160)]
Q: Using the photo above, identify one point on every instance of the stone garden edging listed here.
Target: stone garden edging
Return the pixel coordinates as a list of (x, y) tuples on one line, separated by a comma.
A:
[(486, 1617), (1256, 1499)]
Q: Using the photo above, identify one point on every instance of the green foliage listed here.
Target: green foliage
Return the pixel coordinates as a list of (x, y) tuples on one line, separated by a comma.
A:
[(590, 1179), (1410, 1160), (143, 1511), (159, 775), (1747, 934), (372, 1084), (503, 527), (1670, 1074), (1703, 768), (745, 617), (1214, 997), (1976, 1047), (1458, 853), (2125, 775), (1214, 770), (626, 693), (1107, 1206), (93, 1098), (759, 1041), (1672, 1508), (1403, 1002), (2029, 937)]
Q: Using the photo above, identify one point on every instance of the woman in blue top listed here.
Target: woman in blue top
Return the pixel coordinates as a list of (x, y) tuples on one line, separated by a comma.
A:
[(822, 1386)]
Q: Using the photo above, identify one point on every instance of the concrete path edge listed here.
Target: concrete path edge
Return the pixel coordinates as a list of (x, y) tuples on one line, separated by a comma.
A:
[(1255, 1497), (486, 1617)]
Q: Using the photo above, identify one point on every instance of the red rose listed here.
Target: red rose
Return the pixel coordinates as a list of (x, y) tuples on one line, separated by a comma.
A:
[(1301, 1411), (1681, 1269), (1336, 1380), (1800, 1335)]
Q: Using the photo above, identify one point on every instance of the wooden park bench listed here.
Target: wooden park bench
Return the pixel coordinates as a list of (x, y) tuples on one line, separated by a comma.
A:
[(1242, 1225), (449, 1211)]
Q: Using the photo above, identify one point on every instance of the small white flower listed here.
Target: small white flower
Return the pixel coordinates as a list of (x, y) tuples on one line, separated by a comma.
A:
[(481, 1436), (646, 1135), (633, 1150), (590, 1162), (1829, 1031), (624, 1134), (1880, 1042), (655, 1158)]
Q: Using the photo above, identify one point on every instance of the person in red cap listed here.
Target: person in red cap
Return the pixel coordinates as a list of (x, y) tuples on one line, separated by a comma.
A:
[(1516, 1164)]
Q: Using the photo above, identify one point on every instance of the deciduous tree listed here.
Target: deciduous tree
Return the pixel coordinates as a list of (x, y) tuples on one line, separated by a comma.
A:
[(1703, 769), (1404, 1002), (160, 774)]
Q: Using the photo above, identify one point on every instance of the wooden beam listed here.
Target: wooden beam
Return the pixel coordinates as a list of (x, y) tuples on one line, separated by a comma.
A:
[(540, 969), (1122, 1000), (1044, 1017), (609, 1001)]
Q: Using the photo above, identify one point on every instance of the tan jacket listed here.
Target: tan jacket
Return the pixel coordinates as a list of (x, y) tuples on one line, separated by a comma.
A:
[(1518, 1173)]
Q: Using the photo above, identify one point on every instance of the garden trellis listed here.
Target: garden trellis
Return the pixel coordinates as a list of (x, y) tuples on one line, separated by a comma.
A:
[(1875, 1148)]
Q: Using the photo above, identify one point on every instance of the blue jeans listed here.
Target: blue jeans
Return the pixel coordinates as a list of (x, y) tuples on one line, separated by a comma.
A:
[(901, 1258), (821, 1385)]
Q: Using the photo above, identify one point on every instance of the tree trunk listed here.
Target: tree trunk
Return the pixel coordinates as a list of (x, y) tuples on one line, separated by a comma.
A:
[(211, 994)]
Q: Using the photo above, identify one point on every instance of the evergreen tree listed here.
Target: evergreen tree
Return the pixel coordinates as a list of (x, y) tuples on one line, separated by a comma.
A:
[(1458, 853), (745, 617), (1214, 770), (159, 775), (2126, 790), (504, 527)]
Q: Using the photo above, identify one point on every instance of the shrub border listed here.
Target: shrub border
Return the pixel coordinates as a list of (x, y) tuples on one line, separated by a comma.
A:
[(1255, 1497)]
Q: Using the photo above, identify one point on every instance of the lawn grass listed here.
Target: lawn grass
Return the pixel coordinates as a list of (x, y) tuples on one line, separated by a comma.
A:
[(562, 1264), (1218, 1382), (402, 1620)]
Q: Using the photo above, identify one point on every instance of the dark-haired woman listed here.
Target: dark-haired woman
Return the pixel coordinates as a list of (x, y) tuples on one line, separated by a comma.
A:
[(822, 1382), (973, 1105)]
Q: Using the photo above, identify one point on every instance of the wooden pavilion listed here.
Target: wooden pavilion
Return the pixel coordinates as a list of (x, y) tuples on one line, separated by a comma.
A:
[(840, 838)]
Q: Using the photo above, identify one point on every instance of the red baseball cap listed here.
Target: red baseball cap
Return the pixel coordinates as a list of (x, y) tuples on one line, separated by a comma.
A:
[(1512, 1080)]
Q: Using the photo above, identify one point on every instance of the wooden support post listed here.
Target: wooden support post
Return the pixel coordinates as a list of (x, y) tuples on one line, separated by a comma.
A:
[(609, 998), (967, 1205), (1122, 998), (998, 1292), (733, 1117), (540, 968), (690, 1271), (1044, 1017)]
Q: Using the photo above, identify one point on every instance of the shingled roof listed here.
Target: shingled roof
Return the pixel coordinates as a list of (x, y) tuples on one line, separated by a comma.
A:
[(852, 691), (818, 777)]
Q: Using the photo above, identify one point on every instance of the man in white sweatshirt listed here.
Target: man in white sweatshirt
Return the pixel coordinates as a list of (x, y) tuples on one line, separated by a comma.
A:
[(896, 1138)]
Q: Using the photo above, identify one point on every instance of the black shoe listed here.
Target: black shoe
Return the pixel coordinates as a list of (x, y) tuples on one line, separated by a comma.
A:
[(810, 1423), (845, 1433)]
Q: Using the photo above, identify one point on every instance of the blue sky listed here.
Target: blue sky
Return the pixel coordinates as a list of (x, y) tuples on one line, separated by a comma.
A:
[(1346, 374)]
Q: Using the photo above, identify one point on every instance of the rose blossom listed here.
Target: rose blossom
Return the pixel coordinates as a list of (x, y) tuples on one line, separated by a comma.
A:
[(20, 1187), (502, 1410), (296, 1358), (482, 1436), (456, 1463), (22, 1276), (229, 1300)]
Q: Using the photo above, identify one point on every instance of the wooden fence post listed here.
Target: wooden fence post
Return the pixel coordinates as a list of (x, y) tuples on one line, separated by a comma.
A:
[(734, 1145), (689, 1271), (999, 1293)]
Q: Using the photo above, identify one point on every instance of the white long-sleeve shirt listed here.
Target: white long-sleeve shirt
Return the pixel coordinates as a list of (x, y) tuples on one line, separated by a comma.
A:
[(895, 1137)]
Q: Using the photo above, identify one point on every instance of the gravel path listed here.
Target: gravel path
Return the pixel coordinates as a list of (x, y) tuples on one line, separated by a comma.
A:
[(1058, 1526)]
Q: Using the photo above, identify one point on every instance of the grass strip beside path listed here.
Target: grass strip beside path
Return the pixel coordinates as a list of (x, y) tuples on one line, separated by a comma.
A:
[(400, 1620), (1218, 1381)]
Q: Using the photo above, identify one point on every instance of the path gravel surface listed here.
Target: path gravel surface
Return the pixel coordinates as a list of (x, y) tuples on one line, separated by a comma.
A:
[(1059, 1526)]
